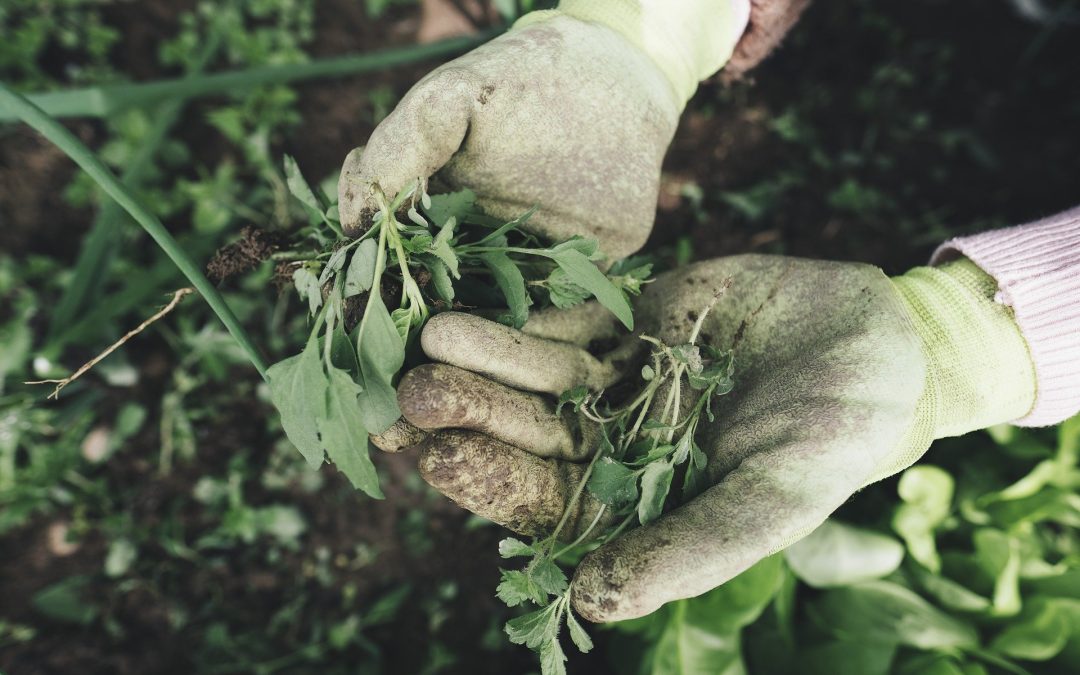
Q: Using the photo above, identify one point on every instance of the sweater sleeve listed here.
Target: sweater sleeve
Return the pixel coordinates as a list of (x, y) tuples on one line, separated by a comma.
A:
[(1037, 269)]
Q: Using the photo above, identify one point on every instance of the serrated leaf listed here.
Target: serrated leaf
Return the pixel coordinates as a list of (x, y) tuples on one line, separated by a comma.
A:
[(510, 282), (548, 577), (517, 587), (534, 628), (361, 272), (613, 484), (655, 483), (450, 205), (298, 389), (584, 273), (552, 658), (563, 292), (581, 639), (344, 436), (442, 250), (511, 547)]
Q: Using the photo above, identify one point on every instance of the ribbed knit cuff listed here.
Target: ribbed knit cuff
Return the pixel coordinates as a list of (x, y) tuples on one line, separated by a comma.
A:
[(688, 40), (1037, 269)]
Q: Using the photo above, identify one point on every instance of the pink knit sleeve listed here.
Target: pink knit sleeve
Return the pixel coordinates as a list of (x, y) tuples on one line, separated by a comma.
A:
[(1037, 267)]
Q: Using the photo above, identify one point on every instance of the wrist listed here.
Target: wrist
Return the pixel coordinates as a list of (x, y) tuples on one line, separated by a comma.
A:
[(688, 40), (979, 368)]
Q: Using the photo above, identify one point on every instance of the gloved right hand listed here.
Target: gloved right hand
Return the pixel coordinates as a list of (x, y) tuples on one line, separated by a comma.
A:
[(571, 111)]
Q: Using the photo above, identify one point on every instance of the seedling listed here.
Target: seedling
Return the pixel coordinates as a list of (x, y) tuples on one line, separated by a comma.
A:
[(630, 474), (341, 386)]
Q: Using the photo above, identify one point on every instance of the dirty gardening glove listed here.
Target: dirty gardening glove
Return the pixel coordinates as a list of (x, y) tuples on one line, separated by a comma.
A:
[(842, 377), (571, 111)]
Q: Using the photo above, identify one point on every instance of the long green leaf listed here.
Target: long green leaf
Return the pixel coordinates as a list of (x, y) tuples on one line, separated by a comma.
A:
[(585, 274), (77, 151), (99, 246), (105, 101), (509, 280)]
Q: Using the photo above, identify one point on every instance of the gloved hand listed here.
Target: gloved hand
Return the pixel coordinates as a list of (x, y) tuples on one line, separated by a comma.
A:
[(843, 376), (571, 111)]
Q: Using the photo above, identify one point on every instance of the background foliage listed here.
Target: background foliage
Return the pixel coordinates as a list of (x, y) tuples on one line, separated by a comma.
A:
[(155, 520)]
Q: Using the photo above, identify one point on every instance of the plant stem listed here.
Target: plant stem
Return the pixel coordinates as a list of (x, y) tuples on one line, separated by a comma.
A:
[(81, 155), (572, 503)]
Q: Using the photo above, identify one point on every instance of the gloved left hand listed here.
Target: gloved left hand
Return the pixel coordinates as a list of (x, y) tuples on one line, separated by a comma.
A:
[(843, 376)]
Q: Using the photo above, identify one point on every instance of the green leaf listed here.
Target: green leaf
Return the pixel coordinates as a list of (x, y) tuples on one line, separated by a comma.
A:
[(552, 658), (298, 389), (884, 612), (584, 273), (381, 353), (535, 628), (845, 657), (585, 246), (307, 285), (836, 554), (440, 278), (563, 292), (949, 593), (441, 248), (740, 601), (688, 646), (64, 601), (927, 494), (455, 205), (335, 263), (342, 351), (580, 638), (999, 555), (613, 484), (509, 280), (1040, 633), (655, 483), (548, 577), (403, 321), (122, 554), (511, 547), (361, 272), (344, 436), (573, 397), (517, 587), (299, 187)]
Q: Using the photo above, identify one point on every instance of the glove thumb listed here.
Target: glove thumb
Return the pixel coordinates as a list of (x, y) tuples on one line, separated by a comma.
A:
[(411, 144)]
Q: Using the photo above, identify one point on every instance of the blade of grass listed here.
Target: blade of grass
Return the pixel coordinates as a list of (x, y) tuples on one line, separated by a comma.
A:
[(36, 118), (98, 248), (103, 101)]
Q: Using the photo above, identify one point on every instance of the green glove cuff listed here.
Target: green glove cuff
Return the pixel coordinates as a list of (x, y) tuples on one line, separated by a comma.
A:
[(979, 369), (688, 40)]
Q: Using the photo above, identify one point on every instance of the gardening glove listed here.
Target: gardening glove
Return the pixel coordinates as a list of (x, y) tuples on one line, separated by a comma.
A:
[(571, 111), (843, 376)]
